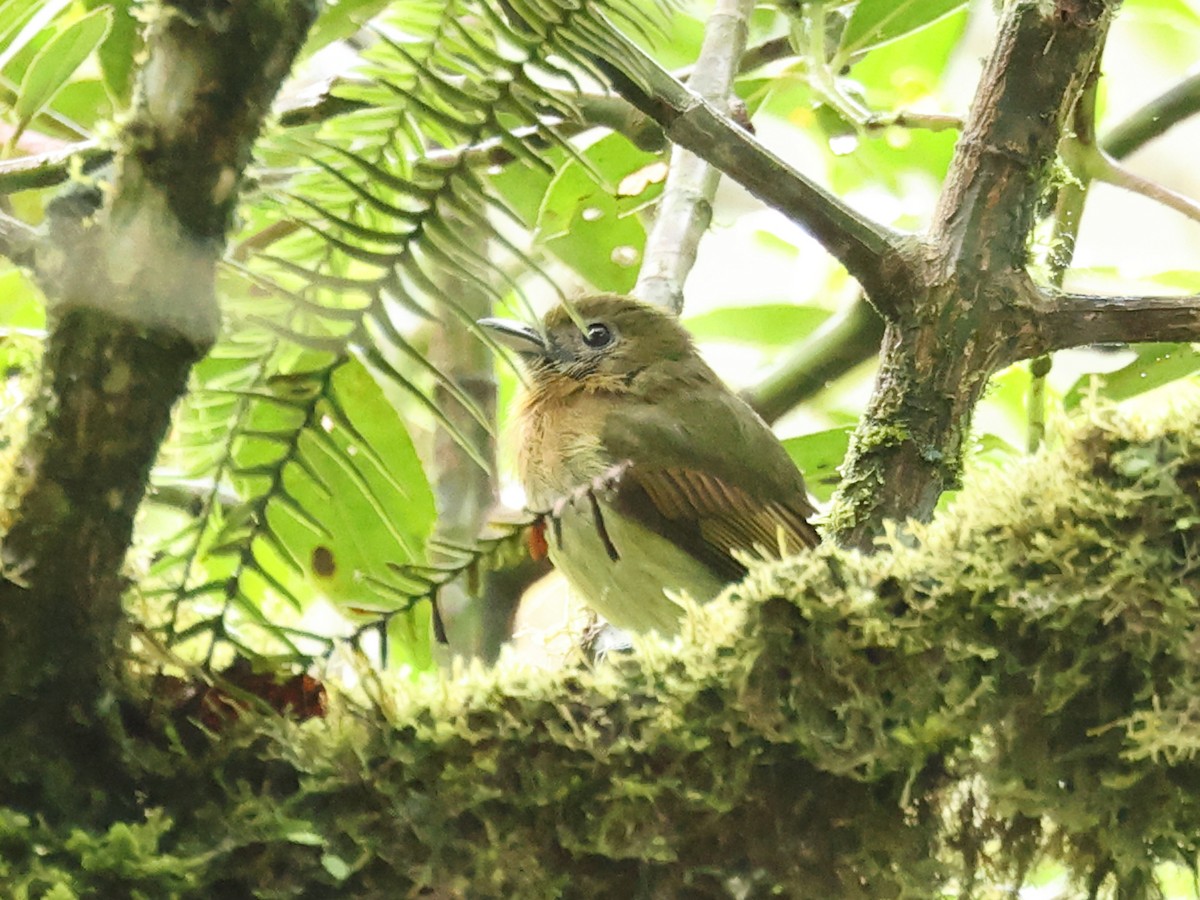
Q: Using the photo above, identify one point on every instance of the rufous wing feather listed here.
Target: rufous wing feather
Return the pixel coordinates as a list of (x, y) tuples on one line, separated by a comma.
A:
[(710, 518)]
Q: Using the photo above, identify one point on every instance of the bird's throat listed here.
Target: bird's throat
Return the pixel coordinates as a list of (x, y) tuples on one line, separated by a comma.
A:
[(560, 446)]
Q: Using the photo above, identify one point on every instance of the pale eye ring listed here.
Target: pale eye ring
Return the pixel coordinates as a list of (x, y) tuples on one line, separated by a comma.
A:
[(597, 335)]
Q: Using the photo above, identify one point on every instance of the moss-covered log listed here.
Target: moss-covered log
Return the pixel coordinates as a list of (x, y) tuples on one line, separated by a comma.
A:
[(1020, 682)]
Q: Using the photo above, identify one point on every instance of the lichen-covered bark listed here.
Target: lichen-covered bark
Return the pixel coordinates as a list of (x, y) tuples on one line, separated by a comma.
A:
[(1018, 680), (130, 292)]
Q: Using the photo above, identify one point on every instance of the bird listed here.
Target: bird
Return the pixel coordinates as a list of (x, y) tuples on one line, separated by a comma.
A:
[(653, 479)]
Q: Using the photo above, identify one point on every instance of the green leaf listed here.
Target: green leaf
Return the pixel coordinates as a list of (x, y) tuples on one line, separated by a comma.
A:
[(118, 50), (902, 75), (768, 325), (876, 22), (362, 480), (523, 185), (1155, 365), (340, 20), (589, 225), (22, 308), (818, 456), (991, 450), (32, 18), (86, 102), (56, 62)]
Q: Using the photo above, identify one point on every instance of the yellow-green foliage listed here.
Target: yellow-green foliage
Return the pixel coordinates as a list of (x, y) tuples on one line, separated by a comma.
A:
[(1018, 680)]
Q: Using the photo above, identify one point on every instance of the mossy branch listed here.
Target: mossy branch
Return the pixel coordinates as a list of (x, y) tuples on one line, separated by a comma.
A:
[(1017, 680)]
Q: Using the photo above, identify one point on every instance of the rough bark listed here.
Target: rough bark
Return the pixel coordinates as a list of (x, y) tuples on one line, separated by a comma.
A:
[(942, 345), (129, 287)]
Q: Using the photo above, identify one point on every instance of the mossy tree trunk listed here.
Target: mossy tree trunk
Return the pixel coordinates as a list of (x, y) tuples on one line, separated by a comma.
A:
[(945, 340), (129, 285)]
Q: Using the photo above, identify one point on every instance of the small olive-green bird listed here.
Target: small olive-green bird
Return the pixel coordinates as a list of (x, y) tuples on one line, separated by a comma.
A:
[(655, 477)]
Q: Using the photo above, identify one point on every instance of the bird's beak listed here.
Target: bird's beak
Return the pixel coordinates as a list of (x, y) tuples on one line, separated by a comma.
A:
[(515, 336)]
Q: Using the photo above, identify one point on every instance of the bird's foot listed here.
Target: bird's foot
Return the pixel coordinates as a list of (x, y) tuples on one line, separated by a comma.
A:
[(602, 485)]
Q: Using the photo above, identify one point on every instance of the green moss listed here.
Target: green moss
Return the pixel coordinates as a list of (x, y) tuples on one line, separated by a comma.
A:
[(1018, 683)]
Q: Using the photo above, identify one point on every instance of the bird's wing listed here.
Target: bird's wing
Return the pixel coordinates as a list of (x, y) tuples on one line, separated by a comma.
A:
[(710, 518), (711, 477)]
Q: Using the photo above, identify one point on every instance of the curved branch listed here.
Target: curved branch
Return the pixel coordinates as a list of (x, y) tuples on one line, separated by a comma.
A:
[(849, 338), (814, 733), (882, 260), (1088, 162), (1156, 117)]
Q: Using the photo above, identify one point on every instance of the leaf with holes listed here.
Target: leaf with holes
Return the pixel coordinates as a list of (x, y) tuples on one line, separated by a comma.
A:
[(587, 222)]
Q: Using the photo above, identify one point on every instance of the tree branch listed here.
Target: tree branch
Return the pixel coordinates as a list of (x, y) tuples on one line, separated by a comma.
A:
[(937, 360), (989, 204), (1156, 117), (685, 210), (1055, 321), (829, 353), (48, 169), (849, 338), (835, 726), (1088, 162), (882, 260), (18, 242)]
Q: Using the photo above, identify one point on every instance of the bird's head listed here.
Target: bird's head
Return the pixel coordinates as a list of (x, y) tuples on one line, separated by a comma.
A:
[(602, 342)]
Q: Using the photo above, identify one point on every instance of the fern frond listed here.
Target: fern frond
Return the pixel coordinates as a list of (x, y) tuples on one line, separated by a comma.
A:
[(290, 411)]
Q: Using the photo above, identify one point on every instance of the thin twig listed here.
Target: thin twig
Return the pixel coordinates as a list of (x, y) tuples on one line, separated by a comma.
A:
[(685, 210), (1108, 170), (42, 170), (1089, 161), (1068, 216), (908, 118)]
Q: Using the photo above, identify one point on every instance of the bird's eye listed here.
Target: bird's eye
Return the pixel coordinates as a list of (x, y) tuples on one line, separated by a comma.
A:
[(597, 335)]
